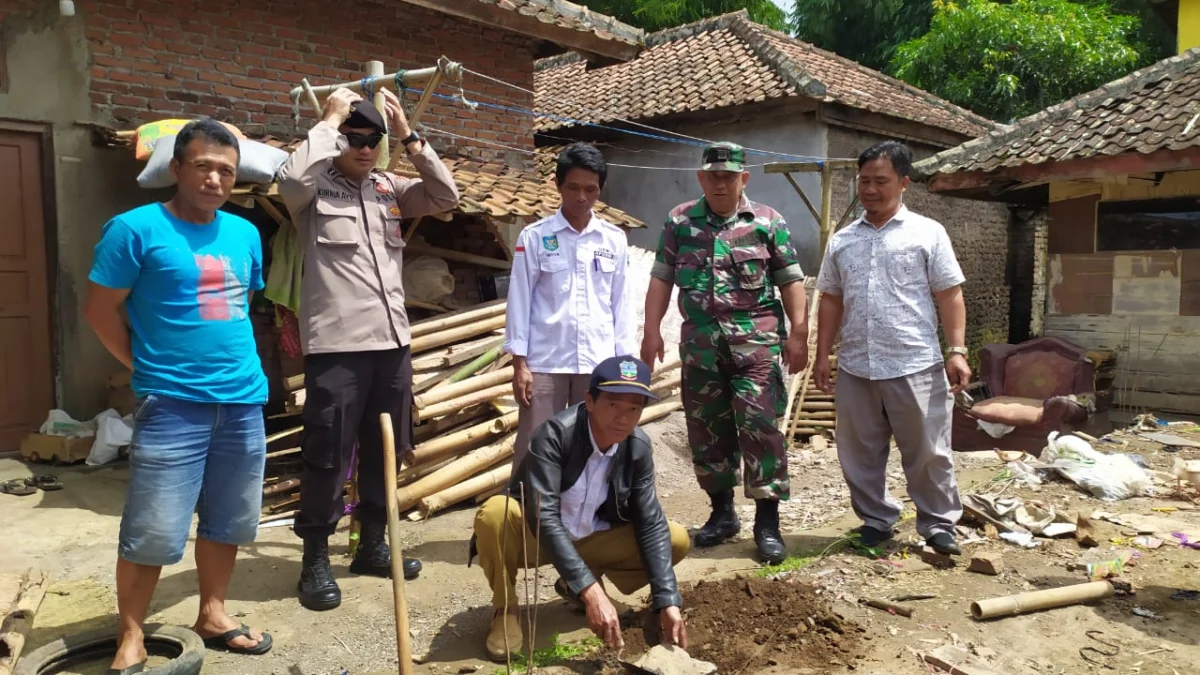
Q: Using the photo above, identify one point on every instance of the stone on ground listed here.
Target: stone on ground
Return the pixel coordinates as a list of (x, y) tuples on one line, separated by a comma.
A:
[(671, 660)]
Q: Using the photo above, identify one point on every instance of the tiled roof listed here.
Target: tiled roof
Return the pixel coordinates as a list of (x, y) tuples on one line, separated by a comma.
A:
[(724, 61), (1156, 108), (485, 188), (575, 17), (501, 191)]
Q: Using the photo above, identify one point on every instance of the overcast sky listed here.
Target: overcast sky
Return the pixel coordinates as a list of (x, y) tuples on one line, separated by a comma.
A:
[(785, 5)]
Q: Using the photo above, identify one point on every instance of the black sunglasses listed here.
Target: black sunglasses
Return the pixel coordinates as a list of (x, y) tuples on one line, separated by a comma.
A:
[(359, 141)]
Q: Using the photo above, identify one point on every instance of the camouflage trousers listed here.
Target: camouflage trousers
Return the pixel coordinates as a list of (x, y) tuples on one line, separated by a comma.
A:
[(732, 414)]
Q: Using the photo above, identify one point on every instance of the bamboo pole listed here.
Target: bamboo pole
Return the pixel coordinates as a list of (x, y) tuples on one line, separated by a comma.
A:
[(801, 381), (412, 473), (14, 632), (480, 363), (432, 428), (443, 446), (403, 637), (450, 70), (294, 383), (311, 97), (660, 409), (669, 382), (457, 256), (467, 489), (484, 496), (375, 72), (672, 362), (1021, 603), (445, 392), (455, 472), (284, 434), (281, 487), (458, 318), (427, 342), (447, 407), (458, 353)]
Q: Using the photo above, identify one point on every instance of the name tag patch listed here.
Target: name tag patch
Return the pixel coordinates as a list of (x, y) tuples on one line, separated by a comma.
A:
[(550, 243)]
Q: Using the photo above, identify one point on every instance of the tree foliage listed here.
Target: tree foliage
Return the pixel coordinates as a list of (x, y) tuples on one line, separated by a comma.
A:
[(653, 15), (866, 31), (1008, 60)]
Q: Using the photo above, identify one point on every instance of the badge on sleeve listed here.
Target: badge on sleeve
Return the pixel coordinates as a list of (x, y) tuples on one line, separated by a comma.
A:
[(550, 243), (394, 211)]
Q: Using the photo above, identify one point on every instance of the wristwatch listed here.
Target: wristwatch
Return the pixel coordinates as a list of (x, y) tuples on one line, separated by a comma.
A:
[(411, 138), (961, 351)]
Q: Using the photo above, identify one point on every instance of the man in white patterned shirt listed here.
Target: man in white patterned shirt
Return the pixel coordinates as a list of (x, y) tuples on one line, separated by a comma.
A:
[(880, 281), (567, 307)]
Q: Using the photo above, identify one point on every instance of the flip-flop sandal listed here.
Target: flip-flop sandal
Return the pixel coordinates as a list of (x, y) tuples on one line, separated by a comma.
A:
[(47, 482), (128, 670), (573, 600), (17, 487), (221, 642)]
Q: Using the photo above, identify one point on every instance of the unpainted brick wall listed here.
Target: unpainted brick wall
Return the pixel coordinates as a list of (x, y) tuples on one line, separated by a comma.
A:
[(237, 61), (978, 230)]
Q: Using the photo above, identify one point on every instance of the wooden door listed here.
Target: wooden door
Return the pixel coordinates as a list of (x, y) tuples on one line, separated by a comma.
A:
[(26, 371)]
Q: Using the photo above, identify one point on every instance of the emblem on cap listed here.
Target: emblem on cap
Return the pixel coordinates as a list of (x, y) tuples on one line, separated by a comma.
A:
[(550, 243), (628, 370)]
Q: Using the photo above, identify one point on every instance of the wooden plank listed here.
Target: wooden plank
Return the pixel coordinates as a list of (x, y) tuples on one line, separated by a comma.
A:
[(1112, 324), (1072, 225)]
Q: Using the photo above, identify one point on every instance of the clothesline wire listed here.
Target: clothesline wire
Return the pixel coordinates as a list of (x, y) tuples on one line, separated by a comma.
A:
[(597, 114), (442, 132), (368, 83), (533, 113)]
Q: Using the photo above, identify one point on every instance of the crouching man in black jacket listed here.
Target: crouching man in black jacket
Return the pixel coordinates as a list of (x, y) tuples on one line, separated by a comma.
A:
[(589, 474)]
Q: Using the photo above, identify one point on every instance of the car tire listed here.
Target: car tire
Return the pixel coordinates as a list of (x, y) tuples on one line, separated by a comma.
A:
[(185, 647)]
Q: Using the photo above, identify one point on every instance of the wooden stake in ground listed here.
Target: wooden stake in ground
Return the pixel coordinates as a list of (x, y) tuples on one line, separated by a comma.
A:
[(403, 639), (17, 625)]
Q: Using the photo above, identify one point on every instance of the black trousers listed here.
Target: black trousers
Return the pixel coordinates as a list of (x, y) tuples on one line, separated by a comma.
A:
[(345, 393)]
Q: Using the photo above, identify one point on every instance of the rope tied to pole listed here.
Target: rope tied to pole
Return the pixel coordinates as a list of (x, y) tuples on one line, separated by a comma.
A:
[(368, 87), (399, 79)]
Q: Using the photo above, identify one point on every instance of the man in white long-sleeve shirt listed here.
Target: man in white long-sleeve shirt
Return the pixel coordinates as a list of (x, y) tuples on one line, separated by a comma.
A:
[(567, 307)]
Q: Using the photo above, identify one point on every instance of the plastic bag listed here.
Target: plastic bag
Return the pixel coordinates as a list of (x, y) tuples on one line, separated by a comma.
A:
[(427, 279), (1107, 477), (258, 164), (59, 423), (112, 433)]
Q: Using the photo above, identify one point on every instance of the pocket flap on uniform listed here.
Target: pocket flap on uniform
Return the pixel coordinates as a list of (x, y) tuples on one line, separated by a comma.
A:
[(747, 253), (326, 207), (555, 264), (337, 224)]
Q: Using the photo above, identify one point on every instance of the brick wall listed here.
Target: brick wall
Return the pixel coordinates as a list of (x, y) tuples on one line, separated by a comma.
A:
[(978, 230), (236, 61)]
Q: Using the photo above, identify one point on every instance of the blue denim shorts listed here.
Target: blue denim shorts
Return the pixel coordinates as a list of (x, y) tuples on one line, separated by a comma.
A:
[(187, 458)]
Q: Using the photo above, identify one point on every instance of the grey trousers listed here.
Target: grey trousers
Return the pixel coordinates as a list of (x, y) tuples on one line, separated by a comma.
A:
[(552, 393), (916, 409)]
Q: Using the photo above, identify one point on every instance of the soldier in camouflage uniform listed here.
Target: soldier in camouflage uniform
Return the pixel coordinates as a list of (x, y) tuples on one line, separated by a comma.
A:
[(728, 254)]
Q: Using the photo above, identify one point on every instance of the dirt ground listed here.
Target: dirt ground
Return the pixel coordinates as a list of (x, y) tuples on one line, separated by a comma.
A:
[(72, 534)]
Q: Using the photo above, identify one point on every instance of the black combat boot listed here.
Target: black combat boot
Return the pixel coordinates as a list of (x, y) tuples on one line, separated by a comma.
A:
[(767, 537), (722, 524), (373, 556), (318, 590)]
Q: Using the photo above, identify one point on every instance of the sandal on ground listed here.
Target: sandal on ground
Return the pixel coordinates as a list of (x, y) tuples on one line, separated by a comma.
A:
[(128, 670), (564, 592), (222, 642), (47, 482), (17, 487)]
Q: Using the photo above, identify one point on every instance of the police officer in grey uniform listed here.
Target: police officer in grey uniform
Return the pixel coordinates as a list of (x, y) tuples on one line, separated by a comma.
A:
[(353, 325)]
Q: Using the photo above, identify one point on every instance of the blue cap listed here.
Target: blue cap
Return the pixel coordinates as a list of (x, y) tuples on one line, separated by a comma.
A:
[(623, 375)]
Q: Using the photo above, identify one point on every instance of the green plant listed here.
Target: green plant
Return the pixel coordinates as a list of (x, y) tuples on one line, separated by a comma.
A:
[(556, 654)]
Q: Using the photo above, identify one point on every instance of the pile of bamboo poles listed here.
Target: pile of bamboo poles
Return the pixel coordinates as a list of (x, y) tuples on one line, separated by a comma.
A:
[(813, 411), (464, 416)]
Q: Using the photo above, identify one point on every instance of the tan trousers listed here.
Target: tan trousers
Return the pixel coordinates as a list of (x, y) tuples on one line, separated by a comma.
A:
[(552, 393), (611, 553)]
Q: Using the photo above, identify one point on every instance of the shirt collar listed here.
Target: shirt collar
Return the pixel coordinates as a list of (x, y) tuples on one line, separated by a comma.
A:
[(701, 210), (560, 222), (900, 217), (596, 448)]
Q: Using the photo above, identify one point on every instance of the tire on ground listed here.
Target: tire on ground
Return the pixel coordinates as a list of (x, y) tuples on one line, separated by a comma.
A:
[(97, 645)]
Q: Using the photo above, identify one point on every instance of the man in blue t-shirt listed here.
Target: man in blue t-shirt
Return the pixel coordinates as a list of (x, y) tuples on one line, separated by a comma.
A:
[(184, 273)]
